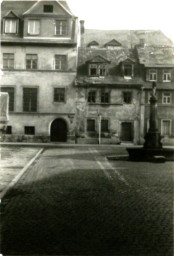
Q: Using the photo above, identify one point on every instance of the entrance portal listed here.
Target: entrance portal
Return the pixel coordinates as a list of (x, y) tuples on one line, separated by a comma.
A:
[(126, 131), (58, 131)]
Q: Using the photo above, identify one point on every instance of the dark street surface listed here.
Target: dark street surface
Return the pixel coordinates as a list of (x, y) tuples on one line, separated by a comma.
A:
[(72, 201)]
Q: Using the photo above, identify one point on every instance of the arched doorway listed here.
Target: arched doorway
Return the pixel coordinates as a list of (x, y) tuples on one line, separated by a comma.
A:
[(58, 130)]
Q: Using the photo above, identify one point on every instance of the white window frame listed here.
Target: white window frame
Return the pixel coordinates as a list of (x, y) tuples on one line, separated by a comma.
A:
[(170, 126), (153, 72), (5, 26), (166, 76), (60, 32), (33, 33), (165, 98)]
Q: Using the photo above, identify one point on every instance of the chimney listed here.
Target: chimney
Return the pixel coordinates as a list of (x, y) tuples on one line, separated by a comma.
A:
[(82, 33)]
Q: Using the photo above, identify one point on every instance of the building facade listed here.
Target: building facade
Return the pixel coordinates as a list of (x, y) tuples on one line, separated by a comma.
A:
[(38, 62)]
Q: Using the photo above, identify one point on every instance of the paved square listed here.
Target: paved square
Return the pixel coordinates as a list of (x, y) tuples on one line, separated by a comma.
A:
[(72, 201)]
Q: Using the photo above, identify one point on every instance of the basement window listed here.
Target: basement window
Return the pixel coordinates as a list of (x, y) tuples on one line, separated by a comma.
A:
[(48, 8), (8, 130)]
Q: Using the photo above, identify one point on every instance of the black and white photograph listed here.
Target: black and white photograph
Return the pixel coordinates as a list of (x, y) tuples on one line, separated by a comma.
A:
[(87, 128)]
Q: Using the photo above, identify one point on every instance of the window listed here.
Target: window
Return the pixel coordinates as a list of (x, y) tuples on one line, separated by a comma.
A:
[(10, 26), (127, 97), (34, 27), (105, 97), (104, 125), (152, 75), (91, 125), (8, 130), (10, 91), (91, 96), (166, 98), (60, 62), (59, 94), (48, 8), (97, 69), (166, 76), (29, 130), (31, 61), (166, 127), (8, 60), (61, 27), (128, 70), (30, 99)]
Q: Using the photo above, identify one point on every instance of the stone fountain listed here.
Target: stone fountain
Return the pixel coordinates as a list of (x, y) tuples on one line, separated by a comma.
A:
[(152, 149)]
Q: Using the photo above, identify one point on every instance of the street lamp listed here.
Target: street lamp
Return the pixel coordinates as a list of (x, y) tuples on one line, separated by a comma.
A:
[(99, 128)]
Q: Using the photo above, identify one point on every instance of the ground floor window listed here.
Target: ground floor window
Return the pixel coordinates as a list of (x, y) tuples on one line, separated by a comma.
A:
[(166, 126), (59, 94), (29, 130), (10, 91), (104, 125), (8, 129), (91, 125)]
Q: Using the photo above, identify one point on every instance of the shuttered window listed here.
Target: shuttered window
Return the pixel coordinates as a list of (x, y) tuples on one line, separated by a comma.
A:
[(33, 27), (8, 60), (10, 91), (60, 62), (11, 26), (61, 28), (59, 94), (30, 99)]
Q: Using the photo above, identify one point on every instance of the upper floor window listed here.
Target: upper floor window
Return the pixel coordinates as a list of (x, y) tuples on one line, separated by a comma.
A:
[(128, 70), (97, 69), (166, 127), (48, 8), (31, 61), (33, 27), (8, 60), (166, 76), (30, 99), (60, 62), (91, 97), (59, 94), (105, 97), (127, 97), (166, 98), (152, 75), (10, 91), (61, 27), (10, 26)]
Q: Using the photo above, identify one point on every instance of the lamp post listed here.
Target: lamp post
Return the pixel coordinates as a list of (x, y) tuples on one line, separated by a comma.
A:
[(99, 128)]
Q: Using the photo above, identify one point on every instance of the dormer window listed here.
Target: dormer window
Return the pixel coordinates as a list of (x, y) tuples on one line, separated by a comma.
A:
[(33, 27), (10, 26), (97, 69), (48, 8), (112, 45), (128, 70), (93, 45)]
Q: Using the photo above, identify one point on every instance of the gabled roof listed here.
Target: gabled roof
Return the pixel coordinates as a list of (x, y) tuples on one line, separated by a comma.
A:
[(11, 14), (113, 42), (98, 59), (62, 4), (128, 60), (93, 43)]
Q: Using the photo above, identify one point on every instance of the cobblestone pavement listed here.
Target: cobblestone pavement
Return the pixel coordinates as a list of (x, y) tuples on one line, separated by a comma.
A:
[(74, 202), (13, 159)]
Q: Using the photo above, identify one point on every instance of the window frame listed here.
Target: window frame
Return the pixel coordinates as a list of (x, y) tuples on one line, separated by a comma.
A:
[(90, 119), (153, 72), (127, 92), (167, 73), (31, 61), (64, 95), (90, 97), (29, 127), (105, 131), (17, 25), (30, 106), (61, 34), (101, 69), (165, 98), (162, 127), (8, 59), (46, 5), (11, 98), (63, 66), (131, 69), (34, 34), (104, 97), (8, 132)]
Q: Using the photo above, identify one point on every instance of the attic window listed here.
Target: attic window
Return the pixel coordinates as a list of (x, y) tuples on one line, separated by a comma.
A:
[(10, 26), (48, 8)]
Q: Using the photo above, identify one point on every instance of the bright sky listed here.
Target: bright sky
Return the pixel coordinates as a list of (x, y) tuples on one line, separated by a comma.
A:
[(126, 14)]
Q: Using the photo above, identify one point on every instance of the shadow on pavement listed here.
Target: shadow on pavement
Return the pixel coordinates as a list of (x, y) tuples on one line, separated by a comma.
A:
[(81, 213)]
